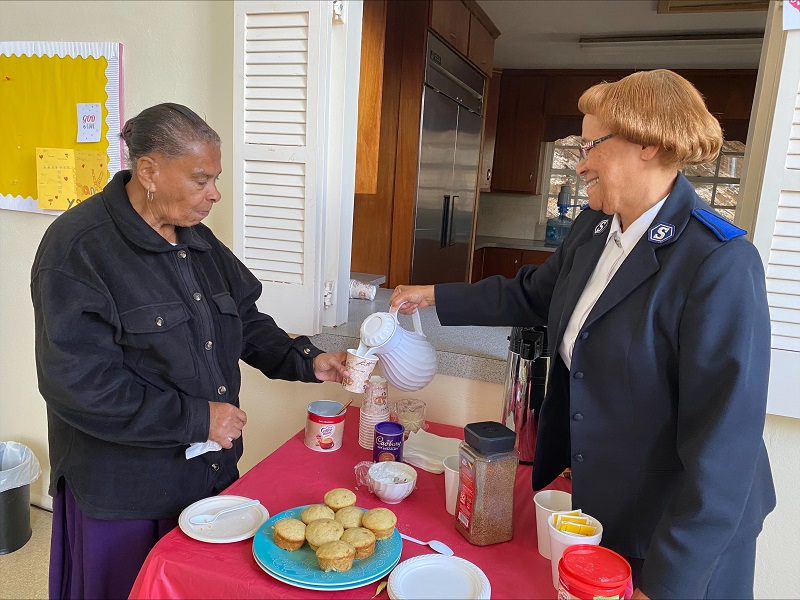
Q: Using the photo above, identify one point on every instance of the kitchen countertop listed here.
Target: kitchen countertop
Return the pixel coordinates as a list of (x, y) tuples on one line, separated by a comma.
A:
[(470, 352), (488, 241)]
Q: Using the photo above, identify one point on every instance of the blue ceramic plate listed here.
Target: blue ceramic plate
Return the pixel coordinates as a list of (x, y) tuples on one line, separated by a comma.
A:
[(300, 568)]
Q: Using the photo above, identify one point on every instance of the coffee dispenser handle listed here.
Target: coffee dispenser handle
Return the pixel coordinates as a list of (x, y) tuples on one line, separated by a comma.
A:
[(414, 317)]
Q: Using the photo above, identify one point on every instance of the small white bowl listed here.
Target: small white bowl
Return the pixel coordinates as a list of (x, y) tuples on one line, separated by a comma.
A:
[(392, 481)]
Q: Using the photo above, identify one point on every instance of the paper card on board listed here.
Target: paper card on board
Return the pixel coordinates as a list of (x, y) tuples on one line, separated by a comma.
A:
[(90, 121)]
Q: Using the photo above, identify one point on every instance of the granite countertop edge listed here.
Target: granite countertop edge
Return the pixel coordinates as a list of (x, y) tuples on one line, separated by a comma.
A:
[(488, 241)]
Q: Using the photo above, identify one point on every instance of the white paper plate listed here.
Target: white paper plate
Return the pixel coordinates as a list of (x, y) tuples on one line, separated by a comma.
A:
[(436, 576), (231, 527)]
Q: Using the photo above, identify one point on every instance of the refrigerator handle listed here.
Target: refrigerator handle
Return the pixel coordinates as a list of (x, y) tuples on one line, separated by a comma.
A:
[(450, 241), (446, 222)]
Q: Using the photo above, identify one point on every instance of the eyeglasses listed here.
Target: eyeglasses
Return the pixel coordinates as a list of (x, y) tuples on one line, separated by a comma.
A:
[(584, 148)]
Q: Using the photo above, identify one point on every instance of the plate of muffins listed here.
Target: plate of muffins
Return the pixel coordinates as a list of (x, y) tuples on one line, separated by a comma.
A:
[(334, 545)]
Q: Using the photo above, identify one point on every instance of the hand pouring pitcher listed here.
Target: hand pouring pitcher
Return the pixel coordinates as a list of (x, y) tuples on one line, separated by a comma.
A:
[(407, 359)]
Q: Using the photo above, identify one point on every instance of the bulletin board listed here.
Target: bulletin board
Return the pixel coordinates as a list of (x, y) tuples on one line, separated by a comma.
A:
[(60, 117)]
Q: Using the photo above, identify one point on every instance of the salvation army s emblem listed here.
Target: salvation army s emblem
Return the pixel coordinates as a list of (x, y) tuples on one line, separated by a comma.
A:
[(661, 232), (601, 226)]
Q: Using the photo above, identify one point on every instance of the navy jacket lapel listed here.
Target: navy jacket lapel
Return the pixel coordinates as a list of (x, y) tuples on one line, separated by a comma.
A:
[(642, 263), (586, 257)]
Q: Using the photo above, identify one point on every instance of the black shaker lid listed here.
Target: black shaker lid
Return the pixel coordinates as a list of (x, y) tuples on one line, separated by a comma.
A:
[(527, 342), (489, 437)]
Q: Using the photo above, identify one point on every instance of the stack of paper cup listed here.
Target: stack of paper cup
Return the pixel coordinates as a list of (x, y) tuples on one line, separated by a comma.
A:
[(374, 410)]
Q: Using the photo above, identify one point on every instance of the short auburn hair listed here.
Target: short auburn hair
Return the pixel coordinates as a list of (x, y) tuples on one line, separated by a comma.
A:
[(657, 108)]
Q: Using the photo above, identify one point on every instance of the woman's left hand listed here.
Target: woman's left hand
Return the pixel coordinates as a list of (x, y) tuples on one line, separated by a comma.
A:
[(329, 366)]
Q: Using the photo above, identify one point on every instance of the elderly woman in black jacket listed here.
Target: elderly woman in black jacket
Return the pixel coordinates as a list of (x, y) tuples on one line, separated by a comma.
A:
[(142, 316), (659, 331)]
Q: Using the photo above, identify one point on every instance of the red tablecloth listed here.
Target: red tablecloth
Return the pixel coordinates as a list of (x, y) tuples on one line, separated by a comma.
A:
[(293, 475)]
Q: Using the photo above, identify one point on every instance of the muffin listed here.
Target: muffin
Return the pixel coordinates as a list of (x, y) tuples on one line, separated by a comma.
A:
[(349, 516), (338, 498), (363, 540), (289, 534), (380, 521), (336, 556), (314, 512), (323, 530)]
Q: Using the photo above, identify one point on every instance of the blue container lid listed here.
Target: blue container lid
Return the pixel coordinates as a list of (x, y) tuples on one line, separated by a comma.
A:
[(389, 428)]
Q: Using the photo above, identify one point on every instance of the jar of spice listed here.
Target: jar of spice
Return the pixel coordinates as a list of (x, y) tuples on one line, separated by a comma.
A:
[(488, 464)]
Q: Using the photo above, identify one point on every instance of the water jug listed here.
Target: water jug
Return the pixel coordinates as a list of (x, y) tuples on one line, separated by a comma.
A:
[(523, 393), (407, 359)]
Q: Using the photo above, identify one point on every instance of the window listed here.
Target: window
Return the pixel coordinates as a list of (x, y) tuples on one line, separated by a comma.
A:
[(716, 182)]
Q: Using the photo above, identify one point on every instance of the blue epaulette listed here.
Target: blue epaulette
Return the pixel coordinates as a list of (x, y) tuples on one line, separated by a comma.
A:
[(723, 229)]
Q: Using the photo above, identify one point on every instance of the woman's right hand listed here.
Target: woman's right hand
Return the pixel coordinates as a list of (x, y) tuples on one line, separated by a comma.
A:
[(226, 423), (412, 297)]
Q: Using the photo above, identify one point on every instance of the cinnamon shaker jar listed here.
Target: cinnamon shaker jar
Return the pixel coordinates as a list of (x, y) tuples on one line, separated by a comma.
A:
[(488, 465)]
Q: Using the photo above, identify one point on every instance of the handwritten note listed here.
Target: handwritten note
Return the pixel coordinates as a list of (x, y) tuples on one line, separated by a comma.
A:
[(55, 178), (66, 177), (90, 122)]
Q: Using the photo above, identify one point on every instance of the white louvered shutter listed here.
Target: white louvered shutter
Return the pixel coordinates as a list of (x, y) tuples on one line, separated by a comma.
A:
[(280, 53), (777, 235)]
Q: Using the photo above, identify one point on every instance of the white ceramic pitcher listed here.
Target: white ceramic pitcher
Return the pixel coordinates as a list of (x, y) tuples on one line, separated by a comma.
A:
[(407, 359)]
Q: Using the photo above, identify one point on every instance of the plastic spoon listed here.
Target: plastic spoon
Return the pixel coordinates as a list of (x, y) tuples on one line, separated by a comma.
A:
[(440, 547), (206, 519)]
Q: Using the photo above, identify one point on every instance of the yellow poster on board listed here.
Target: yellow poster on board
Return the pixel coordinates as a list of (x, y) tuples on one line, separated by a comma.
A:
[(40, 97), (91, 173), (55, 178), (66, 177)]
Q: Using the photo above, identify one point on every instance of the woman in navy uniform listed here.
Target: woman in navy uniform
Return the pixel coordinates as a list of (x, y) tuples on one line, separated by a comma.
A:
[(657, 313)]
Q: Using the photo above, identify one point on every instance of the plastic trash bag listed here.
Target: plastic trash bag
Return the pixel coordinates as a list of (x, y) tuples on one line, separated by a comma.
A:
[(18, 466)]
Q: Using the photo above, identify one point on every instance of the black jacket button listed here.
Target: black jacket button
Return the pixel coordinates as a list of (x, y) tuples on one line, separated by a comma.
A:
[(577, 417), (578, 457), (584, 335), (215, 467), (578, 375)]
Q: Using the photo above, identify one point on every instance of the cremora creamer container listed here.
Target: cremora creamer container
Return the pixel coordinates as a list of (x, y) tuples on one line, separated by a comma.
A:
[(324, 428), (586, 572)]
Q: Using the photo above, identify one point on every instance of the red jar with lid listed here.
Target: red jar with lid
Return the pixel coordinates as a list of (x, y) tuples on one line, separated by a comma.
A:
[(586, 572)]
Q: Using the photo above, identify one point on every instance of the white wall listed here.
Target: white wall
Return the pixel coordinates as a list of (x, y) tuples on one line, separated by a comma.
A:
[(172, 51), (181, 51)]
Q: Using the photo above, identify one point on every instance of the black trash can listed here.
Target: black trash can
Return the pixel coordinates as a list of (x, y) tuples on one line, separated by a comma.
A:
[(18, 469), (15, 518)]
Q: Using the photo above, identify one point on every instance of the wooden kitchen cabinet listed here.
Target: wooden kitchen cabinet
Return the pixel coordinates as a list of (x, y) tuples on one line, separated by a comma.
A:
[(490, 130), (477, 265), (518, 143), (535, 257), (450, 19), (504, 261), (481, 45), (370, 96), (501, 261)]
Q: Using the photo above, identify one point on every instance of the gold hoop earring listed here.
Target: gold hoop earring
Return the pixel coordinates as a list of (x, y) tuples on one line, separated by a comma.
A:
[(150, 196)]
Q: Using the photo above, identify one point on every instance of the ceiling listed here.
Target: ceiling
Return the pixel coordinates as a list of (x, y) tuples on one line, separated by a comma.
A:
[(544, 34)]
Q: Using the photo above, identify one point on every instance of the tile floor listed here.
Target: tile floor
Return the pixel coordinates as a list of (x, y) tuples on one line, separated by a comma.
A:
[(23, 573)]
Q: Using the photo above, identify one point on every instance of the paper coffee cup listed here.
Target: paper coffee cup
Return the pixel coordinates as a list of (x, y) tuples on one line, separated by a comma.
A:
[(547, 502), (360, 368), (451, 481), (560, 540)]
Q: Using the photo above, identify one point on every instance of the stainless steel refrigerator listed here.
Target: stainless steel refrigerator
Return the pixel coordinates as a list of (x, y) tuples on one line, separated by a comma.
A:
[(449, 156)]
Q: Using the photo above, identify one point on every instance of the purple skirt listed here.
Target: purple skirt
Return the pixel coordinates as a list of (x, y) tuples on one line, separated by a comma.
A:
[(91, 558)]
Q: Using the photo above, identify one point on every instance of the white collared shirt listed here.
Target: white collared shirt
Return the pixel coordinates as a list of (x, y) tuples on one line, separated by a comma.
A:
[(618, 246)]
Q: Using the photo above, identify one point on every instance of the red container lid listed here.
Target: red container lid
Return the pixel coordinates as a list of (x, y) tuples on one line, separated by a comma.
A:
[(594, 569)]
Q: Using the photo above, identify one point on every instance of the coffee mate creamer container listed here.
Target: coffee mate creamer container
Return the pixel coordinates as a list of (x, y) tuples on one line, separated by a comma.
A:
[(324, 428)]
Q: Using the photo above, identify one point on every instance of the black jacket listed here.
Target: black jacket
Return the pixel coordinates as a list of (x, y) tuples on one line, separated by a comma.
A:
[(662, 412), (134, 337)]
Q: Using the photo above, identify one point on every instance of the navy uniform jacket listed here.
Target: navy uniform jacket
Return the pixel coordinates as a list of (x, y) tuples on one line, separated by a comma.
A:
[(134, 337), (662, 412)]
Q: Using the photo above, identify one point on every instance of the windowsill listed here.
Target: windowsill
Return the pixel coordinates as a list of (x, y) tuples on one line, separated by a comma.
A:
[(477, 353)]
